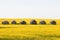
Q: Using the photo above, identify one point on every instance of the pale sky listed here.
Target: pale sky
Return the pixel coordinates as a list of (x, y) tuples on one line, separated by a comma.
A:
[(30, 9)]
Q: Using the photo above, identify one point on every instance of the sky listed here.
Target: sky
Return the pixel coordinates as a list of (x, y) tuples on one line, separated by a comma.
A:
[(30, 9)]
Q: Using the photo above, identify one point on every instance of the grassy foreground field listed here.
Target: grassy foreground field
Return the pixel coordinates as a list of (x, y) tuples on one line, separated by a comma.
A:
[(30, 32)]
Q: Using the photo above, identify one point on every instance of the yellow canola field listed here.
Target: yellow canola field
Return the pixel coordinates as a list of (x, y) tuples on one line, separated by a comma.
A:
[(37, 31), (30, 32)]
